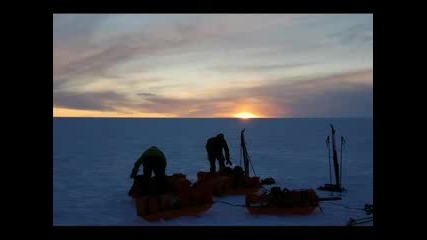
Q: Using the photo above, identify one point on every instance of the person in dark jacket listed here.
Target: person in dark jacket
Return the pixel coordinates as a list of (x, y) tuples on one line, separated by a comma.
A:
[(214, 147), (152, 160)]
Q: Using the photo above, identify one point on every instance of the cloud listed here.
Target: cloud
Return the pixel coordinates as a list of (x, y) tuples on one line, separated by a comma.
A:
[(91, 67), (358, 33), (347, 94), (257, 68), (75, 55), (338, 95), (92, 61), (355, 102), (147, 94), (102, 101), (75, 27)]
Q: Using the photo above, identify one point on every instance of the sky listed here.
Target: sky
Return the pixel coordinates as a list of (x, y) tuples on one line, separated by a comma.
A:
[(213, 65)]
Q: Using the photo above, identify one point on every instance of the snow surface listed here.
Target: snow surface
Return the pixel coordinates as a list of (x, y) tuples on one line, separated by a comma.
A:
[(92, 161)]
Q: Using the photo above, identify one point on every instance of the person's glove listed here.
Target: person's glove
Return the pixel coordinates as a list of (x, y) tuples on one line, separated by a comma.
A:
[(228, 162), (134, 172)]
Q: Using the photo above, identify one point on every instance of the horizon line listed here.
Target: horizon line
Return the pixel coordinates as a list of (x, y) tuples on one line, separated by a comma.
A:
[(368, 117)]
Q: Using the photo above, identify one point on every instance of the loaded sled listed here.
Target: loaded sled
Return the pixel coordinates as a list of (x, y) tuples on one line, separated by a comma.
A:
[(229, 182), (173, 198), (282, 202)]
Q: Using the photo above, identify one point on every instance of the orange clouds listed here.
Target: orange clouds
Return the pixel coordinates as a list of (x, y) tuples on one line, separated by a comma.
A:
[(66, 112)]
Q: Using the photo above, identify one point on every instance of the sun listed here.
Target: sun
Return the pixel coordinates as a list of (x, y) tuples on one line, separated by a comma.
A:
[(245, 115)]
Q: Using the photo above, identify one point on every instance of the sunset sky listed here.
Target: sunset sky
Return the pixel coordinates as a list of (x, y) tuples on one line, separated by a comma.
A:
[(212, 65)]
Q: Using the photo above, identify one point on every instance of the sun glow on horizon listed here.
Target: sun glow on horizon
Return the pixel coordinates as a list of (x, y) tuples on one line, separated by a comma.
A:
[(245, 115), (67, 112)]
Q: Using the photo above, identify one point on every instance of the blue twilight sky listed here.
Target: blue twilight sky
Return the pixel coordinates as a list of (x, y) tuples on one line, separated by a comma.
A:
[(213, 65)]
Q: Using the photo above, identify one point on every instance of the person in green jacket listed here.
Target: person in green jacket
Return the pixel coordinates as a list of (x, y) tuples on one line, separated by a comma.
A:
[(152, 160)]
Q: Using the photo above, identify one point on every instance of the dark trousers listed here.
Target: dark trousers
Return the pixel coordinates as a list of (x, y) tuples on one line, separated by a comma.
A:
[(212, 156), (154, 165), (159, 168)]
